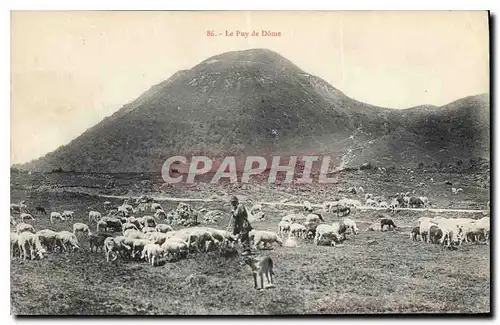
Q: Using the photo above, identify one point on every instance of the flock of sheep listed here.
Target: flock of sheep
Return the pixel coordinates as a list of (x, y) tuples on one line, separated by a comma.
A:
[(145, 238)]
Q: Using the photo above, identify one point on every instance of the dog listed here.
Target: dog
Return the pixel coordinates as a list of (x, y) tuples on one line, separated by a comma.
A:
[(261, 267)]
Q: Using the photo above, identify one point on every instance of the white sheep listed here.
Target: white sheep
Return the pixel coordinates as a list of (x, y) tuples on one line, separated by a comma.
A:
[(148, 229), (264, 237), (81, 227), (113, 247), (160, 214), (25, 216), (55, 215), (27, 240), (298, 230), (68, 215), (14, 247), (156, 206), (94, 216), (161, 227), (67, 238), (128, 225), (333, 232), (329, 205), (283, 227), (175, 247), (48, 238), (22, 227), (133, 233), (152, 252), (138, 245)]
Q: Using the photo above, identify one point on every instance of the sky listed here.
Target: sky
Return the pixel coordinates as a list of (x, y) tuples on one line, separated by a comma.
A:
[(70, 69)]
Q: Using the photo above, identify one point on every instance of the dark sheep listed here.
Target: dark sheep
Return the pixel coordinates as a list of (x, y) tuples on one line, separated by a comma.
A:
[(40, 210), (416, 202), (97, 241), (414, 233), (435, 234), (387, 222)]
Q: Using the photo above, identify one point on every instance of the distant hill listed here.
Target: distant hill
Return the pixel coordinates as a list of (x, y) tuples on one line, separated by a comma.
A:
[(256, 101)]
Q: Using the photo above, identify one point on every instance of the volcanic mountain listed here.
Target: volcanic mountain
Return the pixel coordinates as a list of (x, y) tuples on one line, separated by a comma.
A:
[(258, 102)]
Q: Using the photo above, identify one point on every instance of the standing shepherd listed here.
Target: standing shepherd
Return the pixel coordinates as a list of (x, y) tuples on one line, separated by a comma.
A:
[(241, 225)]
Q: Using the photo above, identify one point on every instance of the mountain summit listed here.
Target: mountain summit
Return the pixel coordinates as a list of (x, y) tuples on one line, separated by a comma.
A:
[(258, 102)]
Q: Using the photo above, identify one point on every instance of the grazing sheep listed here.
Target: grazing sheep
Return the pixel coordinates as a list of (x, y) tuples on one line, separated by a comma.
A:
[(81, 227), (138, 246), (148, 229), (23, 227), (415, 202), (313, 218), (298, 230), (343, 211), (224, 237), (94, 216), (133, 233), (156, 206), (55, 215), (156, 237), (414, 233), (67, 238), (152, 252), (48, 238), (149, 221), (160, 214), (112, 246), (40, 210), (264, 237), (175, 248), (14, 247), (435, 234), (29, 241), (349, 203), (425, 200), (68, 215), (161, 227), (425, 224), (332, 232), (128, 225), (25, 216), (112, 224), (387, 222), (198, 236), (140, 222), (97, 241), (101, 225)]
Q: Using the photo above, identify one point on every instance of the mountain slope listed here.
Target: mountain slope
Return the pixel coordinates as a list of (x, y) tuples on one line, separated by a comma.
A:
[(254, 102)]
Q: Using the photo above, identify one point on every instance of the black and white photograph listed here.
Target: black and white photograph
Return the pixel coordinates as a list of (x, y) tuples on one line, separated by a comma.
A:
[(250, 163)]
